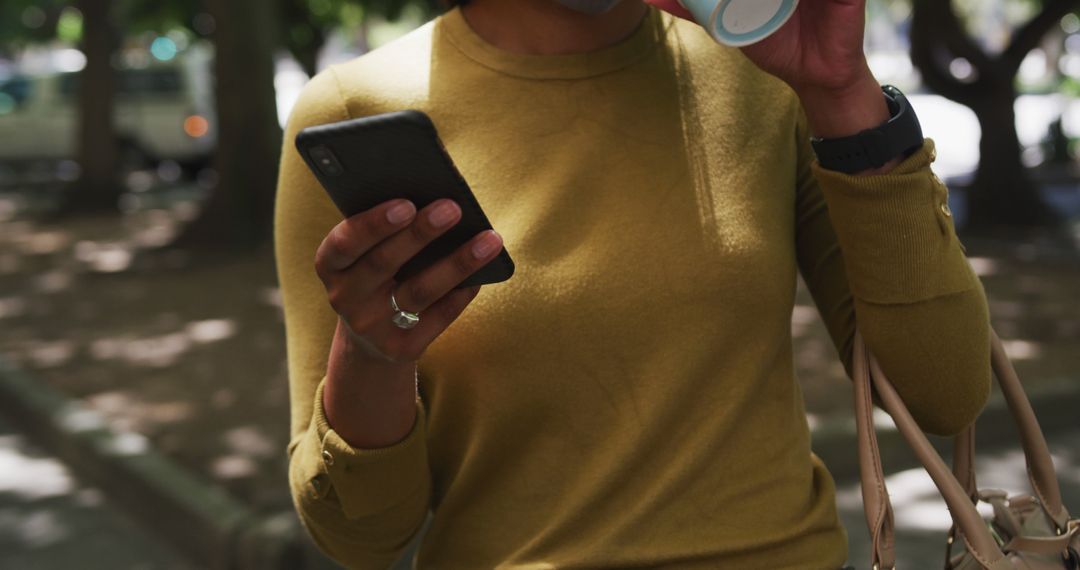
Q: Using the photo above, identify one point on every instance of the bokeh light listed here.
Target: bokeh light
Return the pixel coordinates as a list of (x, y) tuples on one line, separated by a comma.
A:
[(69, 26), (163, 48), (1070, 23), (196, 126), (33, 17), (69, 60), (7, 103)]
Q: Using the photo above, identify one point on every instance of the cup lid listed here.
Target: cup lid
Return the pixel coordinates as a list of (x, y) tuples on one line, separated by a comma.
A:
[(744, 22)]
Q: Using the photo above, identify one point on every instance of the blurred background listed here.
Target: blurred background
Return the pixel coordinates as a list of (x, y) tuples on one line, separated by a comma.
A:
[(143, 390)]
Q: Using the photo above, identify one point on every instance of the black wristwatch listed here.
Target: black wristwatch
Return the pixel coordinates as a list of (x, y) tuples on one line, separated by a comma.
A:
[(898, 137)]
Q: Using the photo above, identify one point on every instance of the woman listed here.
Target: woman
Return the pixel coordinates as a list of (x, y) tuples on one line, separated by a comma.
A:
[(628, 398)]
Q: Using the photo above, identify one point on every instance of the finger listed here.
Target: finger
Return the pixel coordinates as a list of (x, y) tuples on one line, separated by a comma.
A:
[(434, 321), (374, 271), (355, 235), (425, 288), (385, 259)]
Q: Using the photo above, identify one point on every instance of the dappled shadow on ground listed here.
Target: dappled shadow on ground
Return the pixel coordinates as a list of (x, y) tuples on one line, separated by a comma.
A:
[(190, 355), (49, 520)]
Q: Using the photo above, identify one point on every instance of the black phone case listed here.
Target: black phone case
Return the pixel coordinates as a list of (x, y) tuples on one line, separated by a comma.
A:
[(399, 155)]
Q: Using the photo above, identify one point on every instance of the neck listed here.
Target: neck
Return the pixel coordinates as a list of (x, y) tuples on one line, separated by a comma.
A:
[(545, 27)]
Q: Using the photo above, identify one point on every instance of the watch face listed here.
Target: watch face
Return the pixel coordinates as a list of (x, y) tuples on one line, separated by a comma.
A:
[(744, 22)]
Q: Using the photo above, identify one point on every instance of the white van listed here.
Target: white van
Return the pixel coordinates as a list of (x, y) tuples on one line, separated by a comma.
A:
[(162, 112)]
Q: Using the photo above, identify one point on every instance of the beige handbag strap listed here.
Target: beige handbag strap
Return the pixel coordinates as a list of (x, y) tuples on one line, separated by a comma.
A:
[(876, 504), (964, 462), (977, 536), (1040, 467)]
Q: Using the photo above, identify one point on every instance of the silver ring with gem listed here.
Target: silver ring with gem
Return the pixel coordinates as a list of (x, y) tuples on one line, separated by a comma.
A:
[(402, 319)]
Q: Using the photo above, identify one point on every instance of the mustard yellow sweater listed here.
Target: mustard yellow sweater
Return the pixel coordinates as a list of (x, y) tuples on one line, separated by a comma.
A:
[(628, 398)]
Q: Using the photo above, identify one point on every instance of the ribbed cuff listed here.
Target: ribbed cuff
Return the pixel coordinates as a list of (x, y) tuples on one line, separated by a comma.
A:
[(371, 481), (896, 232)]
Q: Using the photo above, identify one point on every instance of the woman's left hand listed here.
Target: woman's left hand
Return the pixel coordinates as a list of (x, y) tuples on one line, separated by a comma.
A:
[(819, 48), (819, 53)]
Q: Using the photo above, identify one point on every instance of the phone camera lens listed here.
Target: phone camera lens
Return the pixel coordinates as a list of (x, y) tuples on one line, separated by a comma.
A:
[(326, 161)]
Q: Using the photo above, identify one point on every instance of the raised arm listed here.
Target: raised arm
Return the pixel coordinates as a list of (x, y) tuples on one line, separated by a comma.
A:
[(881, 249)]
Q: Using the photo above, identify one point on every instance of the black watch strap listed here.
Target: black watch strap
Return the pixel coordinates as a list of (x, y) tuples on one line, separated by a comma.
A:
[(873, 148)]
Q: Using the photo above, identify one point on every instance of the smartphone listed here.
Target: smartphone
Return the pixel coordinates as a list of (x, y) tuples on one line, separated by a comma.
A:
[(367, 161)]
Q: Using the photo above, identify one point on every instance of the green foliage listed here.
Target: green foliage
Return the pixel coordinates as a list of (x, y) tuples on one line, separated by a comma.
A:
[(393, 9), (25, 22), (308, 20), (1070, 87), (307, 23), (157, 15)]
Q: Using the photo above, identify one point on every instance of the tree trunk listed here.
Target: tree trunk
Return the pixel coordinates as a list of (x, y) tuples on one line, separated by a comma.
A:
[(99, 186), (1002, 192), (238, 214)]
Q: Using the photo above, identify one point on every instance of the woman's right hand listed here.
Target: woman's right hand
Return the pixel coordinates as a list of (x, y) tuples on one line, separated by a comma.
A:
[(357, 262)]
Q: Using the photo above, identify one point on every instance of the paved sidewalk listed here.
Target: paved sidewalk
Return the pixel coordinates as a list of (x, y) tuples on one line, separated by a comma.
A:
[(51, 521), (921, 517)]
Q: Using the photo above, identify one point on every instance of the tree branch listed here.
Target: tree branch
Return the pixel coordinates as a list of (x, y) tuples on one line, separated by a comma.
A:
[(931, 52), (1028, 37), (957, 40)]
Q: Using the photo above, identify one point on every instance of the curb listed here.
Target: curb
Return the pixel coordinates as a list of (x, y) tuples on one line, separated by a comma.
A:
[(202, 521), (1057, 408)]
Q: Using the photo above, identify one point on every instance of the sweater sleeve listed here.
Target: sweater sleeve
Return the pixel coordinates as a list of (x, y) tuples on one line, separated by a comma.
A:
[(884, 248), (361, 506)]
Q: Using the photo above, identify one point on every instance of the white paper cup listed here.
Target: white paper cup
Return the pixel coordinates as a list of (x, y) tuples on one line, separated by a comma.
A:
[(740, 22)]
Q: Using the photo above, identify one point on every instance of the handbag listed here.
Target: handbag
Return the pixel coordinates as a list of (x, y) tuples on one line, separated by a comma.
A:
[(1027, 531)]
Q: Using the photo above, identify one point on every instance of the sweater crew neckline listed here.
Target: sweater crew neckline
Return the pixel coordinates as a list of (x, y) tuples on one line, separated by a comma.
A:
[(632, 49)]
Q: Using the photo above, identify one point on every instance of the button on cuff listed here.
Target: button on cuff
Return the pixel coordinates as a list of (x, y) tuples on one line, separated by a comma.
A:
[(898, 246), (320, 486), (370, 481)]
